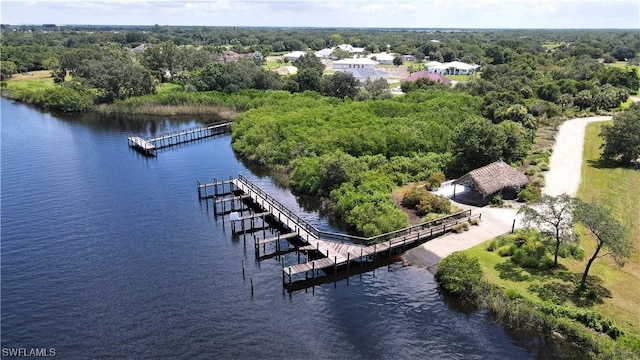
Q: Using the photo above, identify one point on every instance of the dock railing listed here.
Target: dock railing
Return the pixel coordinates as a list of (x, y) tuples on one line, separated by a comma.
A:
[(283, 209), (445, 221), (397, 233)]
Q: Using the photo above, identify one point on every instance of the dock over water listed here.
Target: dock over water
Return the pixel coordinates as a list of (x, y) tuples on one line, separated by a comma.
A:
[(322, 251), (150, 146)]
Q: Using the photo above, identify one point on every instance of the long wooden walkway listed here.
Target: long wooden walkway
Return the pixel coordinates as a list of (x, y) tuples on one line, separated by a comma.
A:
[(334, 250), (149, 146)]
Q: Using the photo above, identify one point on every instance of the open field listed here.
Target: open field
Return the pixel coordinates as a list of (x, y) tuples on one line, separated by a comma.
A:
[(617, 289), (552, 46), (41, 79)]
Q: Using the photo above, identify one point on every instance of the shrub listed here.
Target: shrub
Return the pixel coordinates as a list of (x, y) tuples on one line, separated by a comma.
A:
[(460, 274), (474, 221), (571, 250), (435, 180), (497, 201), (433, 203), (411, 199), (465, 226), (543, 166), (457, 228), (538, 182), (532, 170), (506, 250), (529, 193), (511, 293)]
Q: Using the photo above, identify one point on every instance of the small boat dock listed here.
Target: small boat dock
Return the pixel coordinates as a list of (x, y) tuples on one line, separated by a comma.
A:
[(322, 250), (150, 146)]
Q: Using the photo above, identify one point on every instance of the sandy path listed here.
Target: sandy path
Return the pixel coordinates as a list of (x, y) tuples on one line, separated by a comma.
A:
[(563, 177), (495, 222), (566, 161)]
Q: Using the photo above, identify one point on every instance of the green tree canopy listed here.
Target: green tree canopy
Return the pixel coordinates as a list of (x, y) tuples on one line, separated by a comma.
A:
[(609, 234), (309, 61), (341, 85), (622, 139), (553, 216)]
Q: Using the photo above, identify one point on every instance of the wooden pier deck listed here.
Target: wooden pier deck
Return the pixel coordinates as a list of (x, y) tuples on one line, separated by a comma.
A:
[(277, 238), (332, 254), (149, 146), (143, 145)]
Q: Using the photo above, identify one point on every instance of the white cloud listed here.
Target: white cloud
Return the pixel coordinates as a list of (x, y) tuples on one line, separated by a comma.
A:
[(371, 8), (341, 13)]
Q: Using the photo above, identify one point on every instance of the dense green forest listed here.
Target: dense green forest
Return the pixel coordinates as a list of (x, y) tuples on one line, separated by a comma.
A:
[(332, 135)]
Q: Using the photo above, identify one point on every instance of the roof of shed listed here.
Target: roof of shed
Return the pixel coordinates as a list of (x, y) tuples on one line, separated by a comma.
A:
[(494, 177)]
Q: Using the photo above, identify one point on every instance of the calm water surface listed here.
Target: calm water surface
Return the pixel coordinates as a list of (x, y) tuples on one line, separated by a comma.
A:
[(108, 254)]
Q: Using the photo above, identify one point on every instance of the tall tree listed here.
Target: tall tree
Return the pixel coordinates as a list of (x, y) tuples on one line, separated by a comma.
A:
[(553, 216), (622, 139), (309, 61), (476, 143), (341, 84), (608, 232)]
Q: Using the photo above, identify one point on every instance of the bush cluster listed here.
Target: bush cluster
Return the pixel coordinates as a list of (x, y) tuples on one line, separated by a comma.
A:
[(588, 318), (525, 248), (529, 193), (425, 202)]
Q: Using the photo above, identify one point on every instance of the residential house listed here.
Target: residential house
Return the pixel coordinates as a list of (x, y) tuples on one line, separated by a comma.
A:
[(294, 55), (325, 53), (231, 56), (409, 58), (364, 74), (140, 48), (350, 49), (451, 68), (383, 58), (359, 63)]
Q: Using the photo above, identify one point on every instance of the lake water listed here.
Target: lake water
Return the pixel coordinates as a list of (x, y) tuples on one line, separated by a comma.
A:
[(108, 254)]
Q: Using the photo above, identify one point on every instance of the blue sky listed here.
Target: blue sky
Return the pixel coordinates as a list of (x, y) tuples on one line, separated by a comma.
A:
[(332, 13)]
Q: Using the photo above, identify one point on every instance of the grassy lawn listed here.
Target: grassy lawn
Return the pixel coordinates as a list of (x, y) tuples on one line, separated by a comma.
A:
[(613, 188), (552, 46), (618, 289), (460, 78), (168, 87), (36, 79), (272, 64)]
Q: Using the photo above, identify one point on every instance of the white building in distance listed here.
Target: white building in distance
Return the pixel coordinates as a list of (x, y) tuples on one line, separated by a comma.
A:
[(451, 68)]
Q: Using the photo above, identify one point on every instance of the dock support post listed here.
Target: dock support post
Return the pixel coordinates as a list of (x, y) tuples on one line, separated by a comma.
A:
[(199, 196), (243, 278)]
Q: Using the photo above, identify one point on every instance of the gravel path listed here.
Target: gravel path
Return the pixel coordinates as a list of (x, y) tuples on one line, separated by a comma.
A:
[(563, 177), (566, 161)]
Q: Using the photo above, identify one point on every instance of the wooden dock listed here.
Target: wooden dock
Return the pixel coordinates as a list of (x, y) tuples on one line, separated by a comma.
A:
[(150, 146), (142, 145), (331, 250)]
